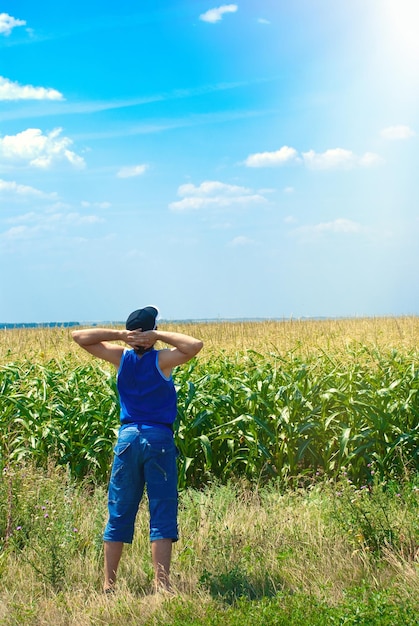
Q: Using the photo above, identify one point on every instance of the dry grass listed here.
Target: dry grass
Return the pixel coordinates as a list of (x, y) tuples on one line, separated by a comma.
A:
[(233, 540), (302, 336), (288, 534)]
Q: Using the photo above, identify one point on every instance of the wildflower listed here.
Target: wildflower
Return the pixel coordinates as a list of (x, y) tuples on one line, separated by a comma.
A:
[(46, 516), (75, 530), (18, 527)]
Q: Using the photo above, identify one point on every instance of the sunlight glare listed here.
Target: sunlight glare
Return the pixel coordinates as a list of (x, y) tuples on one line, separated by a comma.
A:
[(402, 26)]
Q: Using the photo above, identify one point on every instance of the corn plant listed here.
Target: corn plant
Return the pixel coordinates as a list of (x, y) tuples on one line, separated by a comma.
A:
[(54, 411), (249, 414)]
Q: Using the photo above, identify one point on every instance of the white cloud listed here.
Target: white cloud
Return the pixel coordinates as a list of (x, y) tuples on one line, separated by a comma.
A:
[(39, 150), (214, 194), (13, 91), (32, 224), (241, 240), (272, 159), (339, 158), (397, 132), (210, 187), (289, 190), (215, 15), (99, 205), (84, 107), (75, 219), (47, 219), (7, 23), (132, 171), (335, 158), (11, 187), (262, 20), (16, 232), (338, 226), (25, 218)]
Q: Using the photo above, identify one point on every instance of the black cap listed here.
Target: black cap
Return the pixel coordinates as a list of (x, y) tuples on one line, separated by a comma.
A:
[(142, 318)]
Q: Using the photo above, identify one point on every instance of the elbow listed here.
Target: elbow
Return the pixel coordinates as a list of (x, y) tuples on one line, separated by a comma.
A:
[(77, 336), (198, 345)]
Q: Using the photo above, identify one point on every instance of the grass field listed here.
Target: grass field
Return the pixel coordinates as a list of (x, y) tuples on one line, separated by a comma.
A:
[(301, 336), (299, 479)]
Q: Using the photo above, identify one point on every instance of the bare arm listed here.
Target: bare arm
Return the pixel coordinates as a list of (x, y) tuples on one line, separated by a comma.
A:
[(184, 347), (97, 342)]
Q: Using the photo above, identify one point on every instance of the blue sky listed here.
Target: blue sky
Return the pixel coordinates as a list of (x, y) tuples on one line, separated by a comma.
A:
[(249, 159)]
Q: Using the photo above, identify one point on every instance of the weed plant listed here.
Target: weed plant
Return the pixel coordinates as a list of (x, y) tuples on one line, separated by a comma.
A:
[(380, 516), (266, 555)]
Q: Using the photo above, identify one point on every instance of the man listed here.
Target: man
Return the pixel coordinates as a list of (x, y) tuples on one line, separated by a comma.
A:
[(145, 453)]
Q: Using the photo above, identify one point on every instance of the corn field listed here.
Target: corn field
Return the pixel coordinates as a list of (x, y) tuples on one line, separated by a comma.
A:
[(294, 411)]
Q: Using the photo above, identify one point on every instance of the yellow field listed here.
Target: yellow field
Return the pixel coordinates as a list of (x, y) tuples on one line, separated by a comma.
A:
[(303, 336)]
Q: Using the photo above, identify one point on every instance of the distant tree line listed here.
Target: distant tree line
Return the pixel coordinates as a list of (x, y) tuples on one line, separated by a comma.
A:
[(39, 325)]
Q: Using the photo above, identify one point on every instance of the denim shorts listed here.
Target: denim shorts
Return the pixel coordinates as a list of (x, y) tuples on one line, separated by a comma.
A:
[(143, 456)]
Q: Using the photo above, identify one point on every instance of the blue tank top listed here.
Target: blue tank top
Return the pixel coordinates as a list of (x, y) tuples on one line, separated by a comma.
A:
[(146, 396)]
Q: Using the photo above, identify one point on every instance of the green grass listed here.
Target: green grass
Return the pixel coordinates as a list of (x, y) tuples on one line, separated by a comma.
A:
[(246, 555), (367, 608)]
